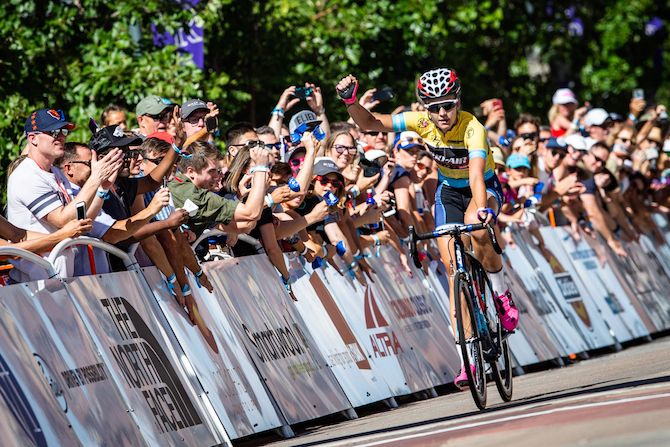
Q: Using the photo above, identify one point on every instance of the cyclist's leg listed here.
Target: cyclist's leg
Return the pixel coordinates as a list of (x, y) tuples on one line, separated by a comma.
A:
[(491, 261)]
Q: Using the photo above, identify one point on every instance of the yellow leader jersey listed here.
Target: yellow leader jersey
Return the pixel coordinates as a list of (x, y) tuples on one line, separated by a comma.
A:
[(452, 151)]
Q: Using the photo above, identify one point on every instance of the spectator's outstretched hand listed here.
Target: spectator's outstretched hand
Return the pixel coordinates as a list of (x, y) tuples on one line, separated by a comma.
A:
[(177, 218), (285, 102), (320, 211), (315, 100), (367, 100), (105, 170), (76, 228), (282, 194), (160, 200)]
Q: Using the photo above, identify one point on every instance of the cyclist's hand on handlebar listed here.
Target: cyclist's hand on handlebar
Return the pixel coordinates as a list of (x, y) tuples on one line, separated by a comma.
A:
[(486, 215)]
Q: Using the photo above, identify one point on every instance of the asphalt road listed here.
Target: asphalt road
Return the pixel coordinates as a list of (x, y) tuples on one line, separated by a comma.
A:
[(617, 399)]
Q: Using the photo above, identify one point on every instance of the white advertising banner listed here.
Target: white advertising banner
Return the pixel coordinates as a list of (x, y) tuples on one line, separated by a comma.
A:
[(415, 309), (265, 319), (545, 301), (144, 357), (219, 360), (602, 284), (66, 355), (354, 367), (29, 412), (372, 323), (586, 301)]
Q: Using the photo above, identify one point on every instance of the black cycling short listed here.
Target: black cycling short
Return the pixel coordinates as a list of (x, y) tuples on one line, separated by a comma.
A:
[(451, 203)]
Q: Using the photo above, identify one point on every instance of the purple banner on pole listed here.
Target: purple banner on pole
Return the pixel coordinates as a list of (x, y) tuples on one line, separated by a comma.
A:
[(189, 40)]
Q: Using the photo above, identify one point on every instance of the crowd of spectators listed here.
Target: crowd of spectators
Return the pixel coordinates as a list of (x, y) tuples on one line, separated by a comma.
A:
[(329, 191)]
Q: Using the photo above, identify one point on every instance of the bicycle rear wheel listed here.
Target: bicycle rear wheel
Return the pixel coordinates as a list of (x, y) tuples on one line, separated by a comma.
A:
[(469, 340), (501, 366)]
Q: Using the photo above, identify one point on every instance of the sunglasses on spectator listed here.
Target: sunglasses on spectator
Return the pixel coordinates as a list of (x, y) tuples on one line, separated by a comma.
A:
[(297, 161), (340, 148), (559, 152), (156, 161), (81, 162), (164, 115), (56, 133), (373, 132), (131, 154), (404, 142), (420, 165), (337, 183), (528, 136), (598, 159), (194, 119), (270, 146), (446, 105), (544, 140)]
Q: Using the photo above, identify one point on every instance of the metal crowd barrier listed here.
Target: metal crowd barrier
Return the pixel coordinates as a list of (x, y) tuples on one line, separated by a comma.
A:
[(121, 362)]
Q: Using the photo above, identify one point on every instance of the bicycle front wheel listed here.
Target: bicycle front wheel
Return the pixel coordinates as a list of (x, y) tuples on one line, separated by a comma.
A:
[(469, 340)]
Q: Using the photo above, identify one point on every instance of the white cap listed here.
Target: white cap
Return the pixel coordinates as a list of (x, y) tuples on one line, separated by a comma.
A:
[(576, 141), (564, 96), (374, 154), (596, 117)]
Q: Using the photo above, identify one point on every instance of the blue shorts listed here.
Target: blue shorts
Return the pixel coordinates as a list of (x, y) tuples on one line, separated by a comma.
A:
[(451, 203)]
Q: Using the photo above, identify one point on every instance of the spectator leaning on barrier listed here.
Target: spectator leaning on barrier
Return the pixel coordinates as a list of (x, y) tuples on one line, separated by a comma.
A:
[(14, 236), (37, 192), (76, 166), (199, 174)]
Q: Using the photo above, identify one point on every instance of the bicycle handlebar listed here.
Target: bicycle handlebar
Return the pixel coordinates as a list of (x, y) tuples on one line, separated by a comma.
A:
[(450, 230)]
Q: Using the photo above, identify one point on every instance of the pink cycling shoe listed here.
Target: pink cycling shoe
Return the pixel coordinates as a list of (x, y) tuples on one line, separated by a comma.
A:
[(509, 314), (461, 380)]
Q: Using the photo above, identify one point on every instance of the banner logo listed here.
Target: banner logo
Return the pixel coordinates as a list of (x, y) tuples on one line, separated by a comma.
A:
[(383, 343), (146, 367), (20, 406)]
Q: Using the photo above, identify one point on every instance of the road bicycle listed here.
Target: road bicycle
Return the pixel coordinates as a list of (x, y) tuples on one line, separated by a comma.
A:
[(486, 340)]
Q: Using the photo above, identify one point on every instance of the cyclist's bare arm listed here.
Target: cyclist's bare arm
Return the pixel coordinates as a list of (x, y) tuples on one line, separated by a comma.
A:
[(363, 117)]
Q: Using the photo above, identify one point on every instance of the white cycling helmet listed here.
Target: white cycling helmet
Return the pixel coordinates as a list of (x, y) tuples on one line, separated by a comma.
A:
[(437, 83)]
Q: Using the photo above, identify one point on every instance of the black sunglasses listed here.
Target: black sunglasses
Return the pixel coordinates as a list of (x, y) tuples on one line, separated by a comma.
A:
[(446, 105), (558, 152), (528, 136), (165, 114), (270, 146), (156, 161)]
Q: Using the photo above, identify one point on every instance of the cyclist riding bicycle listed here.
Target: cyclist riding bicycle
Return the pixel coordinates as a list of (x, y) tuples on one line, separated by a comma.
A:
[(468, 189)]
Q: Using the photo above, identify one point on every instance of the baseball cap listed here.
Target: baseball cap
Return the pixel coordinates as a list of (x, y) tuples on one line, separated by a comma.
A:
[(375, 154), (576, 141), (112, 136), (304, 117), (296, 151), (164, 136), (564, 96), (152, 105), (556, 143), (408, 139), (191, 106), (596, 117), (325, 166), (44, 120), (516, 160), (498, 156)]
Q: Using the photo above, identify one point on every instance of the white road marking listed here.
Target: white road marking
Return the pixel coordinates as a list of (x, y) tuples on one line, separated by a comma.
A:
[(495, 421)]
